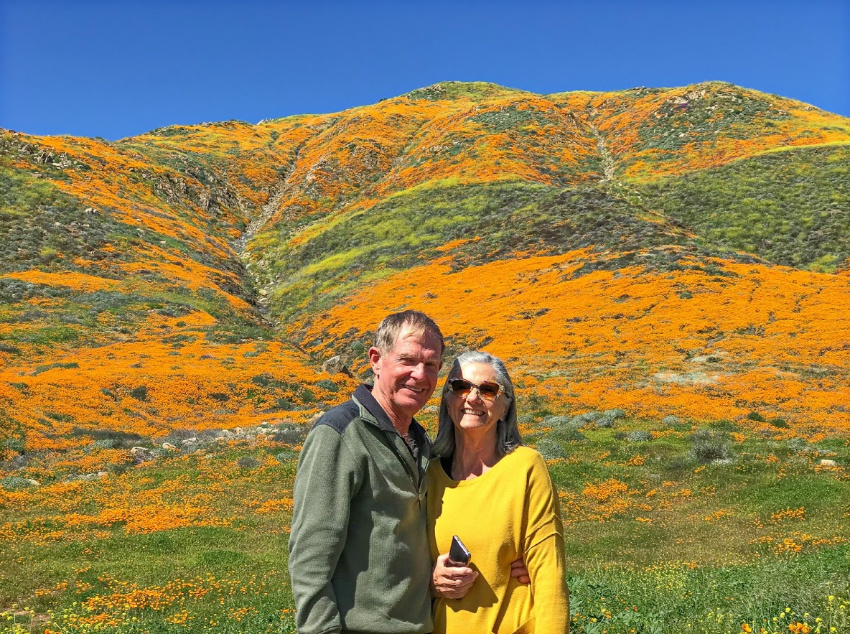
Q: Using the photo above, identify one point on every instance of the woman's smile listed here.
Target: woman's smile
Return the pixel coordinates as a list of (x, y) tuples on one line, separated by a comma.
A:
[(472, 412)]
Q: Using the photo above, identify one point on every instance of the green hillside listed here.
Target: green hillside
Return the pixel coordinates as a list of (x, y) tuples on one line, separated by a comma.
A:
[(788, 205), (666, 272)]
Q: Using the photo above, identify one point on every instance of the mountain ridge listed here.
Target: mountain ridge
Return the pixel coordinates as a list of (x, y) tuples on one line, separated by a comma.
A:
[(232, 245)]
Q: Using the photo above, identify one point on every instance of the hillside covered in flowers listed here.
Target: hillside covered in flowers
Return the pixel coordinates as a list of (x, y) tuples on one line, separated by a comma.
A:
[(677, 251)]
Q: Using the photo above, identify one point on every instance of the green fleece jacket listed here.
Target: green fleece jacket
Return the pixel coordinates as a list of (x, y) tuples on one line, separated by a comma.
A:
[(358, 551)]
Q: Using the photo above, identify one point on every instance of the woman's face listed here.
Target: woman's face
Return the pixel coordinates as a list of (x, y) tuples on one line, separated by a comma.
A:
[(472, 413)]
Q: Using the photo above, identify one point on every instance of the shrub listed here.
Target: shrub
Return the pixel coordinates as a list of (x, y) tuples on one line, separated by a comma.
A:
[(177, 436), (605, 421), (779, 422), (119, 438), (556, 421), (15, 444), (670, 420), (51, 366), (567, 434), (703, 434), (119, 468), (709, 447), (291, 434), (723, 425), (639, 435), (797, 444), (679, 464), (755, 416), (284, 404), (286, 455), (59, 416), (106, 443), (140, 393), (328, 385), (264, 380), (248, 462), (587, 417), (15, 483), (550, 449)]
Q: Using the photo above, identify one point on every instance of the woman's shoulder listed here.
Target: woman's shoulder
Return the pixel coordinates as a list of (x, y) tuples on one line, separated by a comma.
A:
[(528, 456), (538, 481)]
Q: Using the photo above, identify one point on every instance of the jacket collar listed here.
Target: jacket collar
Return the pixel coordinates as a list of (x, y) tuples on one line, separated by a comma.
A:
[(363, 394)]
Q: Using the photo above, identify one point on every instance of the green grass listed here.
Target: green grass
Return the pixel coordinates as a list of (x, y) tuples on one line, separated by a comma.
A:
[(475, 90), (407, 229), (695, 548), (785, 206)]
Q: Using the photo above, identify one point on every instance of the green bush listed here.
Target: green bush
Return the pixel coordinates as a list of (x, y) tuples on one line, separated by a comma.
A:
[(328, 385), (15, 444), (291, 434), (15, 483), (639, 435), (550, 449), (140, 393), (710, 447), (248, 462)]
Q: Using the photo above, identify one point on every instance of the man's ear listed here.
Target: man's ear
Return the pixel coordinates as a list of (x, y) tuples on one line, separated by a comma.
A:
[(375, 359)]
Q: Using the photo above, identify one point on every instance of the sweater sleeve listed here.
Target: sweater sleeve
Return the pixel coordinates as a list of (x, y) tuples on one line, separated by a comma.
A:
[(327, 480), (544, 552)]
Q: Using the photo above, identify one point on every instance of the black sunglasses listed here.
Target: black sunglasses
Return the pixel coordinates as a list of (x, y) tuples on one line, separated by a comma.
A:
[(487, 390)]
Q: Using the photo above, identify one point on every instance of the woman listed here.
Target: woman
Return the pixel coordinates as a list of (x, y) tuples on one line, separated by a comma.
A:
[(497, 497)]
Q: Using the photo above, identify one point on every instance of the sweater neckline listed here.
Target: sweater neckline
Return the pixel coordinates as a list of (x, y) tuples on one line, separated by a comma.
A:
[(464, 483)]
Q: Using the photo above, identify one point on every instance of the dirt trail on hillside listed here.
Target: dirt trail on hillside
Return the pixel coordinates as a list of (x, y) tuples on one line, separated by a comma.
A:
[(607, 157)]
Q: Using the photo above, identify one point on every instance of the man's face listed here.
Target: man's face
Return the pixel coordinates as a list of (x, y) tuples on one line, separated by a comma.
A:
[(406, 375)]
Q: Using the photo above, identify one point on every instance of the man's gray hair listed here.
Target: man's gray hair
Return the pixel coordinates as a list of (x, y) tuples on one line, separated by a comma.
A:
[(507, 430), (392, 326)]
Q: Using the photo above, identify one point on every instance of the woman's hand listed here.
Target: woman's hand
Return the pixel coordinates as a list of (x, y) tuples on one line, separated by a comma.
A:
[(449, 580)]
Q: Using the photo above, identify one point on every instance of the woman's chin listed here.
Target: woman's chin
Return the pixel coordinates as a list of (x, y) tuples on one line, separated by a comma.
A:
[(472, 424)]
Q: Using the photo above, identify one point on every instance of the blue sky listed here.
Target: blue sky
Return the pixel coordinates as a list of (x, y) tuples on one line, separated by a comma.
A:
[(119, 68)]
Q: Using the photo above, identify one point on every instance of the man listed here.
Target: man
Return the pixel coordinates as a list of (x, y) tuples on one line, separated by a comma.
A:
[(359, 556)]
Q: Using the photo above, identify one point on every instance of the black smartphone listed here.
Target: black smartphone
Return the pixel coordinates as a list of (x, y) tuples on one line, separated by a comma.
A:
[(458, 553)]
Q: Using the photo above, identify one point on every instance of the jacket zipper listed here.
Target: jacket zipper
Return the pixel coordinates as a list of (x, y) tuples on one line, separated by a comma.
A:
[(417, 482)]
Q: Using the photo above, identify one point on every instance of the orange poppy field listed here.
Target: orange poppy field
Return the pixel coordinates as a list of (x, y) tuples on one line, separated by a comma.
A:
[(665, 271)]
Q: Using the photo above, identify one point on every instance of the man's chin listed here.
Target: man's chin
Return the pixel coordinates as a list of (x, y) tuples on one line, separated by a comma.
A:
[(411, 402)]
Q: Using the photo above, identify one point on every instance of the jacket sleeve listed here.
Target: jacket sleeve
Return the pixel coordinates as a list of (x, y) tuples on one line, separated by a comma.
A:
[(544, 552), (326, 481)]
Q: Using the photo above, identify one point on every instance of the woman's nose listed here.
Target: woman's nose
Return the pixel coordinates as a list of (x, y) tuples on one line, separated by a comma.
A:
[(474, 394)]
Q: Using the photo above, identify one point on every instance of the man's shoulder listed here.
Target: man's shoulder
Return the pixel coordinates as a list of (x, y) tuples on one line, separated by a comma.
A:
[(340, 417)]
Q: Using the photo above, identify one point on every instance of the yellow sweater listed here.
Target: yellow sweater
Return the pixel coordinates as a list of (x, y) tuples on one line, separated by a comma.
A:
[(508, 512)]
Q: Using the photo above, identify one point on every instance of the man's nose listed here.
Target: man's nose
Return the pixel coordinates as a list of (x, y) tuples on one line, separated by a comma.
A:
[(418, 371)]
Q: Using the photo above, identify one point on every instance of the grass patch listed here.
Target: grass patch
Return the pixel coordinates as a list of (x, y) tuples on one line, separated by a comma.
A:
[(783, 206), (655, 541)]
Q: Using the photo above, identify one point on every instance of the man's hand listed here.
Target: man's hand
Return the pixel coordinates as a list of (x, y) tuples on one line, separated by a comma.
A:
[(449, 581), (519, 571)]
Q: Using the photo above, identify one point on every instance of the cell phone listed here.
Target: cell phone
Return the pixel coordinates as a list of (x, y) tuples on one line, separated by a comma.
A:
[(458, 553)]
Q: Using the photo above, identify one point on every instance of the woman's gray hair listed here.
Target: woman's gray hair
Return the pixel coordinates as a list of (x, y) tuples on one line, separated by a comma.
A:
[(507, 430)]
